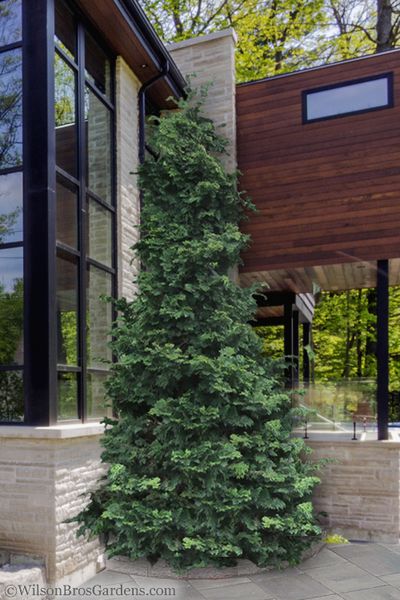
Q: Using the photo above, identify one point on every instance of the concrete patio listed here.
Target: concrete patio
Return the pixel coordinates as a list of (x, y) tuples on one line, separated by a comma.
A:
[(357, 571)]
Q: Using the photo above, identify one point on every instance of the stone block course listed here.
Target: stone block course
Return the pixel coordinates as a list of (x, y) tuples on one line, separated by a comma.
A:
[(50, 476), (128, 199), (211, 58), (359, 490)]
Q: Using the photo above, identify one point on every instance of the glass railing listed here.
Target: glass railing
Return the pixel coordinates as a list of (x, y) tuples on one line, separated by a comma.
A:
[(338, 406)]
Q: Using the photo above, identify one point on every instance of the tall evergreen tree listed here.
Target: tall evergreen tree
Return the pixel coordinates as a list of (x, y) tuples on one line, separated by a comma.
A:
[(203, 468)]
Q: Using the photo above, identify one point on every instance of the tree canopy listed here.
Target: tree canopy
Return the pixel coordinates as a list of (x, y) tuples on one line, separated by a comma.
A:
[(277, 36)]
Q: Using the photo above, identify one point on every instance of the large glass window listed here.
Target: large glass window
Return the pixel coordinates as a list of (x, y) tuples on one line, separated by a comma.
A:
[(11, 229), (10, 108), (67, 212), (11, 208), (348, 98), (84, 116), (65, 30), (65, 116), (10, 22), (99, 146), (98, 66)]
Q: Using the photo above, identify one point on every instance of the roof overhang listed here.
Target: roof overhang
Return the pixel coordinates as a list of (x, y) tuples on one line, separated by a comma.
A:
[(129, 34)]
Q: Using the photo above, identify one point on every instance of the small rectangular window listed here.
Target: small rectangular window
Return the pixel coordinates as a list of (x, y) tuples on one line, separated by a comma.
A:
[(348, 98)]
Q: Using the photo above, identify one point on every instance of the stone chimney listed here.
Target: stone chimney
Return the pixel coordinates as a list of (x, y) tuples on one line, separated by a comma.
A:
[(212, 59)]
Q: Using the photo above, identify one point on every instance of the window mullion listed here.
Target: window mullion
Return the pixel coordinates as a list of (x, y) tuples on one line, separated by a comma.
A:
[(82, 404)]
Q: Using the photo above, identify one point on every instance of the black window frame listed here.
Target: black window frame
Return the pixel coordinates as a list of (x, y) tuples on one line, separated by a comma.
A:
[(389, 76), (39, 206), (83, 192), (16, 45)]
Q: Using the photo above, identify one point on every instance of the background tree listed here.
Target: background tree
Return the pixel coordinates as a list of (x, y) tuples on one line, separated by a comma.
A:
[(277, 36), (357, 27), (203, 467)]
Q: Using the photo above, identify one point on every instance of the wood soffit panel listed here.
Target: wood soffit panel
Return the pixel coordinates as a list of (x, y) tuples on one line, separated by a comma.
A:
[(128, 39), (339, 277)]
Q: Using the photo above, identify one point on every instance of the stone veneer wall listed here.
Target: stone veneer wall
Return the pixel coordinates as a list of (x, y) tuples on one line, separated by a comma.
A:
[(128, 198), (43, 474), (359, 489), (212, 59)]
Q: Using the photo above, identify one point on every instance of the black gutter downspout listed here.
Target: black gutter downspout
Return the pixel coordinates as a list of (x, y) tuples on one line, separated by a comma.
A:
[(142, 109)]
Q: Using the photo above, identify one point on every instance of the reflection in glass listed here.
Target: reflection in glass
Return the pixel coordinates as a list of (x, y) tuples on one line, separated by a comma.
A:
[(67, 213), (98, 66), (11, 208), (10, 22), (99, 233), (67, 385), (65, 116), (11, 396), (348, 98), (65, 29), (99, 317), (97, 403), (11, 306), (98, 151), (10, 109), (67, 310)]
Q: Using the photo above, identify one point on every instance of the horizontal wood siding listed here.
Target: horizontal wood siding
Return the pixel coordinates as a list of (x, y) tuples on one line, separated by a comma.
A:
[(326, 192)]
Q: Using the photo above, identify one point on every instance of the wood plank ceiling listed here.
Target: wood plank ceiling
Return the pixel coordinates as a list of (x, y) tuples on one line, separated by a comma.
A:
[(339, 277)]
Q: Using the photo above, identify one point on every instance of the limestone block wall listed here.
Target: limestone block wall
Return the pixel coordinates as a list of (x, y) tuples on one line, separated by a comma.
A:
[(359, 489), (128, 200), (43, 474), (212, 59)]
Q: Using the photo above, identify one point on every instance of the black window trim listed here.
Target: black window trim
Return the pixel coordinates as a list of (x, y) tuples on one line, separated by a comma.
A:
[(40, 244), (305, 93)]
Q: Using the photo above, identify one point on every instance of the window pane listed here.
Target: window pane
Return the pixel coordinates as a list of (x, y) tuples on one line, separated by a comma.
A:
[(67, 395), (10, 22), (65, 29), (99, 317), (65, 116), (67, 310), (67, 213), (98, 66), (348, 98), (11, 306), (11, 396), (99, 233), (11, 208), (10, 109), (98, 404), (98, 150)]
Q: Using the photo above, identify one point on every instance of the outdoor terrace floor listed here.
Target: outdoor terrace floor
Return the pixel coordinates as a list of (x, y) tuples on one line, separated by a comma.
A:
[(356, 571)]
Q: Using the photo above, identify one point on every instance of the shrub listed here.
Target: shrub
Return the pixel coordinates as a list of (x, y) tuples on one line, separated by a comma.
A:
[(203, 468)]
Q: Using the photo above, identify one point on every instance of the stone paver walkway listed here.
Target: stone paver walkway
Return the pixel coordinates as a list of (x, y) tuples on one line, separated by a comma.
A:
[(354, 571)]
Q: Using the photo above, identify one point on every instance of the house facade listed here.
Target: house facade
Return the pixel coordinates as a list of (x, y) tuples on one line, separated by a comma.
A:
[(78, 79)]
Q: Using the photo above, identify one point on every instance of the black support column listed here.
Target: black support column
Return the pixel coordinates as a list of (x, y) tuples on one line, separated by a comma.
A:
[(295, 326), (306, 357), (291, 344), (39, 212), (382, 351)]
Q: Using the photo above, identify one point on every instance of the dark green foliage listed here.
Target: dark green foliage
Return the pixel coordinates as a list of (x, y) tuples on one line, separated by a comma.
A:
[(203, 467)]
